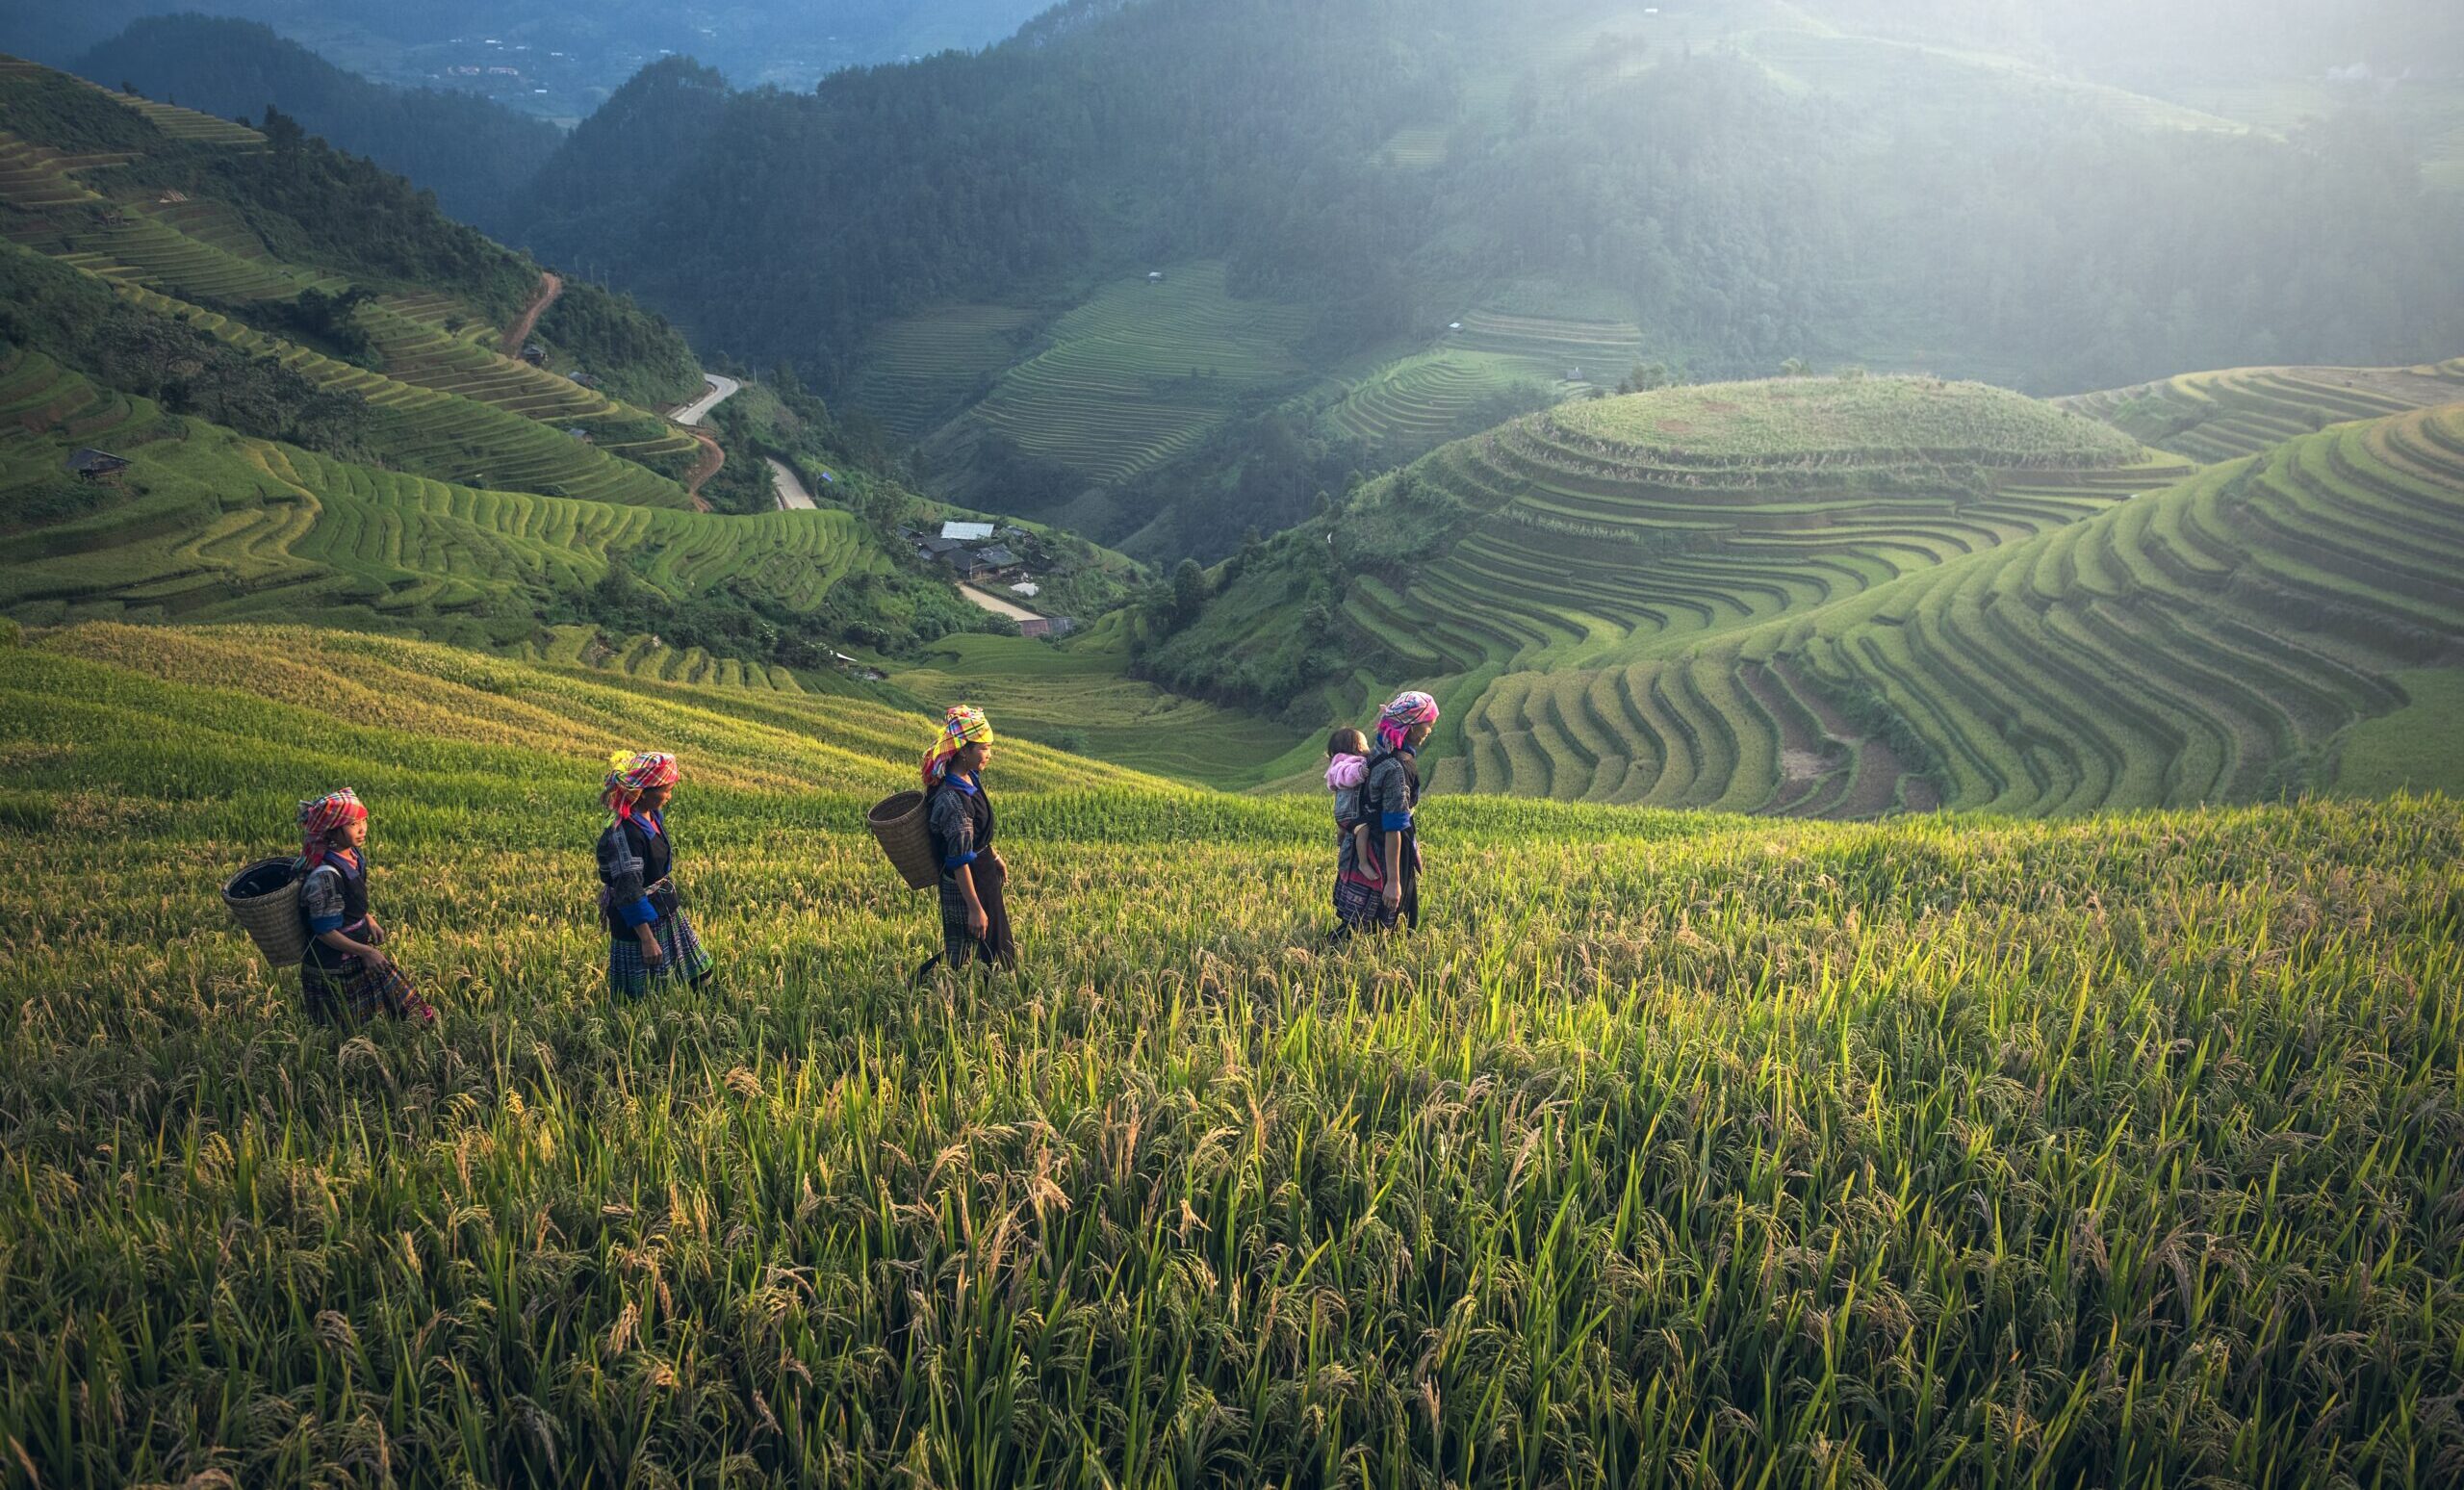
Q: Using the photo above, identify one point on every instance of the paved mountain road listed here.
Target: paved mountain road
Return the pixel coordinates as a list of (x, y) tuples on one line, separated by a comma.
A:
[(722, 389)]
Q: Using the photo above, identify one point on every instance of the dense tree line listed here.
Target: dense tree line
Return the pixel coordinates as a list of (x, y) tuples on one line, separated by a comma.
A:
[(478, 156)]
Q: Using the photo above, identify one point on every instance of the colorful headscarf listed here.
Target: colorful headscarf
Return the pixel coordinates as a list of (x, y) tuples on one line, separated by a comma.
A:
[(321, 815), (964, 725), (1396, 724), (633, 772)]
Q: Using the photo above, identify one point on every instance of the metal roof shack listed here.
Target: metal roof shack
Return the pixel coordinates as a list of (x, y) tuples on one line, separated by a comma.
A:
[(96, 465), (967, 532), (997, 557)]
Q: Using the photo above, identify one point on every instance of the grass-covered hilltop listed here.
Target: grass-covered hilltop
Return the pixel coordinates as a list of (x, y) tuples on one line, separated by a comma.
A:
[(1840, 597), (1941, 959)]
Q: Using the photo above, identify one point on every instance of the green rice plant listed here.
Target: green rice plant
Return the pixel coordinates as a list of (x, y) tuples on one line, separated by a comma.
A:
[(1674, 1149)]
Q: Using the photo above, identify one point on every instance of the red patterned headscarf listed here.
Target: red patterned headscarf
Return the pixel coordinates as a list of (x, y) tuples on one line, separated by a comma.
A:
[(1408, 710), (633, 772), (321, 815)]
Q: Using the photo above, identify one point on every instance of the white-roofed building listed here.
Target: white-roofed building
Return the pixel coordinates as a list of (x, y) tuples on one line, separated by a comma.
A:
[(966, 533)]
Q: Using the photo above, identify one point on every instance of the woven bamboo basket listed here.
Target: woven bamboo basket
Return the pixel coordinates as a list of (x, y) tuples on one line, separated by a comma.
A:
[(265, 900), (899, 824)]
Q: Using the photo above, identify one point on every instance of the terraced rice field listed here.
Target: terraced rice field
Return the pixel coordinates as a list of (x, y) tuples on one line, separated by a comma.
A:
[(1671, 1151), (229, 527), (1421, 400), (1626, 528), (1576, 352), (1142, 373), (919, 369), (2211, 642), (2225, 416), (184, 250), (188, 126), (449, 437)]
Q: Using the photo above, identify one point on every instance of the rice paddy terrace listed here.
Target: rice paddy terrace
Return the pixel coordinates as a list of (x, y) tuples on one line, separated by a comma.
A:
[(1619, 527), (213, 525), (2285, 622), (1673, 1149), (2227, 414), (454, 406), (919, 370), (1140, 374), (1418, 400)]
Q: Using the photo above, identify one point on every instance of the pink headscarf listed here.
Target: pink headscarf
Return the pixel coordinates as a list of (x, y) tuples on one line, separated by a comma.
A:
[(321, 815), (1408, 709)]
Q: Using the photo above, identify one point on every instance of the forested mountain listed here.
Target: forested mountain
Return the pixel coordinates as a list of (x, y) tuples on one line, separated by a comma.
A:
[(479, 157), (1721, 188), (548, 57)]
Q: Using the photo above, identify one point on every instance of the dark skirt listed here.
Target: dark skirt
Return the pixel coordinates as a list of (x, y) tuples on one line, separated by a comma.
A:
[(958, 948), (358, 990), (630, 974)]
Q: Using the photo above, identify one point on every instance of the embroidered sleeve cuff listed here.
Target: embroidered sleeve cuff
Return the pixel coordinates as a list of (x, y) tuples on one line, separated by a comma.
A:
[(322, 924), (1395, 822), (639, 912)]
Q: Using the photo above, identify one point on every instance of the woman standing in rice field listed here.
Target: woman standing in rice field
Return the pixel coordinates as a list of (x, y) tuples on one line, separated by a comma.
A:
[(975, 918), (342, 975), (1379, 893), (650, 940)]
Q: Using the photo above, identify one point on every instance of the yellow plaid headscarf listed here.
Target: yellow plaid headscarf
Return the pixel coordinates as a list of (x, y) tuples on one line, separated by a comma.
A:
[(963, 725)]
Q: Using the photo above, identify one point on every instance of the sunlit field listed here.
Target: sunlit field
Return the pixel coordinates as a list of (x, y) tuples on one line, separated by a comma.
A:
[(1673, 1149)]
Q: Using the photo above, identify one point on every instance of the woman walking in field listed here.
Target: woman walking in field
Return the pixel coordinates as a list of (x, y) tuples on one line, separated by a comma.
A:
[(975, 918), (1379, 891), (650, 940), (345, 979)]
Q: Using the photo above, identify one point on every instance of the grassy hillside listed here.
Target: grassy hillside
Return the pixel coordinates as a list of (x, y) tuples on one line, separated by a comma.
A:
[(1621, 528), (2227, 638), (1674, 1150), (210, 525), (338, 440)]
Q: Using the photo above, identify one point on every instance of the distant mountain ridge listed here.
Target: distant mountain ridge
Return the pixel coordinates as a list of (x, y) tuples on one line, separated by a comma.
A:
[(479, 157)]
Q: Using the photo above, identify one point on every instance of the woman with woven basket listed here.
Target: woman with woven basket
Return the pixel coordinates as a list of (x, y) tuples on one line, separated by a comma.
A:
[(343, 976), (975, 917), (651, 941)]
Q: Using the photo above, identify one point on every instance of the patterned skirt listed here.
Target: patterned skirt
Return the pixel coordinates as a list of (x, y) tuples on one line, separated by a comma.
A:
[(359, 990), (632, 975), (997, 946), (1361, 906)]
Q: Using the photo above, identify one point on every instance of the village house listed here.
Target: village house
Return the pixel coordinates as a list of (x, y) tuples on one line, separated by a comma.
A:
[(93, 465)]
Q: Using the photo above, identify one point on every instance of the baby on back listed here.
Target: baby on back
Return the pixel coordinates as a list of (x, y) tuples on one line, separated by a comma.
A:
[(1347, 769)]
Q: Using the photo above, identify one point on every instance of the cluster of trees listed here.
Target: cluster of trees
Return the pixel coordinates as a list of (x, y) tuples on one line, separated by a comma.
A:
[(78, 323), (634, 354)]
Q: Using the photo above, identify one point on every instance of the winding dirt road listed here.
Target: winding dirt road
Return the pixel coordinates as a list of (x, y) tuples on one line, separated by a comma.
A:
[(986, 600), (517, 336)]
